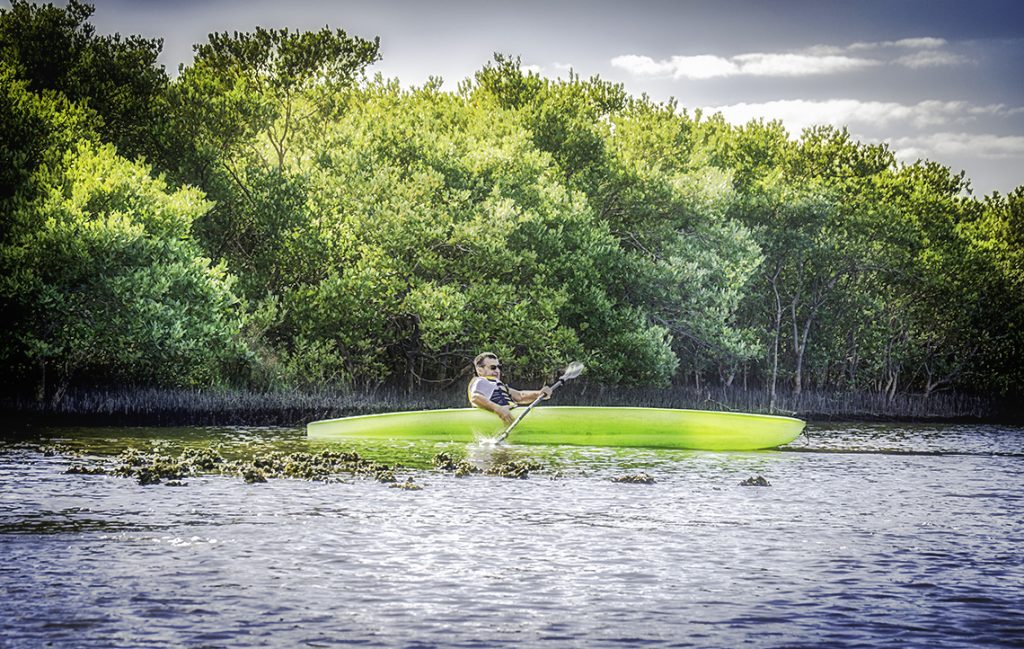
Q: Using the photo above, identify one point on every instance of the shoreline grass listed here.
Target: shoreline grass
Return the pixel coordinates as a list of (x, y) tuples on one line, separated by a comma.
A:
[(209, 407)]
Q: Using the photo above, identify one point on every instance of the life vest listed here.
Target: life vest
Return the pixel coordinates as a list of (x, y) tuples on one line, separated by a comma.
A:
[(499, 392)]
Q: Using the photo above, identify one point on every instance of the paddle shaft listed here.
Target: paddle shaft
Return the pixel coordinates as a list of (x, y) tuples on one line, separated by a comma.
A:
[(515, 423)]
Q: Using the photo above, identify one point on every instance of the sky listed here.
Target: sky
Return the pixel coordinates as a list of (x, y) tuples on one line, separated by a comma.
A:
[(933, 79)]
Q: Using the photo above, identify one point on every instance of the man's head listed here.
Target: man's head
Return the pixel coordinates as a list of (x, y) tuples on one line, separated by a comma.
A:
[(487, 364)]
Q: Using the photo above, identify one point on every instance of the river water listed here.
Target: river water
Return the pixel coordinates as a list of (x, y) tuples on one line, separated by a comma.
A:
[(868, 536)]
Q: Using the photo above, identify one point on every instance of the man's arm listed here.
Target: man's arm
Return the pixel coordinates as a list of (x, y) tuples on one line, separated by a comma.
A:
[(526, 397)]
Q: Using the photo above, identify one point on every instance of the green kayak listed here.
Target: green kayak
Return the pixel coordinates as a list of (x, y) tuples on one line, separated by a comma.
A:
[(582, 426)]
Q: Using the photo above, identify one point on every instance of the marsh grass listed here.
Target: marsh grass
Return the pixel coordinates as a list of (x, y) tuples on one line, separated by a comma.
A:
[(161, 407), (807, 405), (296, 408)]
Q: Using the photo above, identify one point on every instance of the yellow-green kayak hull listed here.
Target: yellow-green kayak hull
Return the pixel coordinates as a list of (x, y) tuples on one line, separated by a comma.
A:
[(581, 426)]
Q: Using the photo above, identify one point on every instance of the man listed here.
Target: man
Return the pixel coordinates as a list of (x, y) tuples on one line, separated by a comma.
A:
[(488, 392)]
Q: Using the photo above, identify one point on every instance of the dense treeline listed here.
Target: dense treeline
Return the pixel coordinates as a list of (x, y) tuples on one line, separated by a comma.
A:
[(271, 218)]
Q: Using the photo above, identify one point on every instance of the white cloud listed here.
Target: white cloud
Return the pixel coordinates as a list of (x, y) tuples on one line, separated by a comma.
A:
[(937, 145), (908, 43), (931, 59), (1002, 110), (799, 65), (798, 114), (643, 66), (823, 50), (678, 67), (703, 67), (926, 42), (816, 60), (756, 64)]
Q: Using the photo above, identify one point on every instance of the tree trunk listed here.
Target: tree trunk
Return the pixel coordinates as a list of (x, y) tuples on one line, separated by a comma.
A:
[(798, 351), (894, 381), (775, 341), (852, 360), (41, 386)]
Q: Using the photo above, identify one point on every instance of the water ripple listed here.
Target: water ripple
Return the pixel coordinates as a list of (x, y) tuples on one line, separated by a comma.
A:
[(868, 536)]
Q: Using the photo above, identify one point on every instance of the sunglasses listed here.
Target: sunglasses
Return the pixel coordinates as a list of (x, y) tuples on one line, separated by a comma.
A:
[(494, 367)]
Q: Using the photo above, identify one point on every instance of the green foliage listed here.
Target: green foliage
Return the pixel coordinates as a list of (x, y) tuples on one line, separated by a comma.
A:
[(689, 261), (56, 49), (382, 234), (103, 281), (999, 232), (249, 97), (444, 233), (37, 128), (241, 116), (686, 261), (994, 235)]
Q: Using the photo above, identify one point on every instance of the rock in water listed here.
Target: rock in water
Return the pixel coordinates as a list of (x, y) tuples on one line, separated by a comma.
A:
[(637, 478)]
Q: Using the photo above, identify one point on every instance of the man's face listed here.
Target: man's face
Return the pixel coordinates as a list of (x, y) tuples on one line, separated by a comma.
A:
[(491, 368)]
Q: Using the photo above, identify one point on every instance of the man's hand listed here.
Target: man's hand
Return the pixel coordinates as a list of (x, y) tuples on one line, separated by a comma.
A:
[(506, 415), (546, 391)]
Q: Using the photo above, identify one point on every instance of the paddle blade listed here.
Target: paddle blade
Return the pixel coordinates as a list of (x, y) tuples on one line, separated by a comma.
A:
[(572, 371)]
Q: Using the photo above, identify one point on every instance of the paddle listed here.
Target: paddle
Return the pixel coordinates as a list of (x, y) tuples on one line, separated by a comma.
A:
[(570, 373)]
